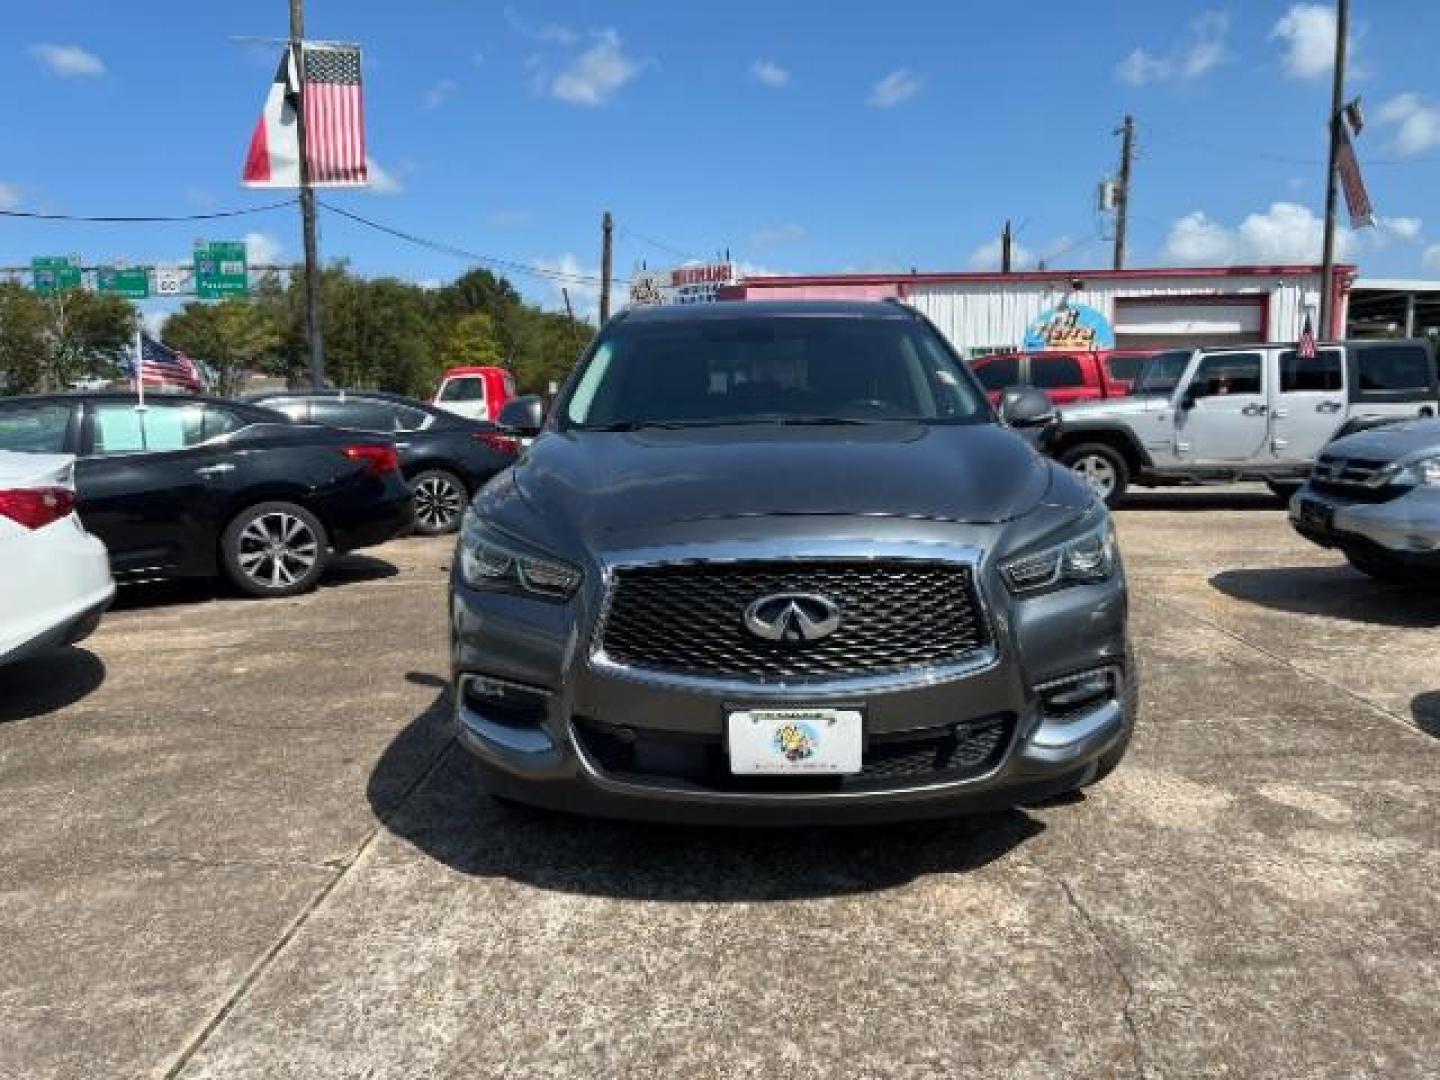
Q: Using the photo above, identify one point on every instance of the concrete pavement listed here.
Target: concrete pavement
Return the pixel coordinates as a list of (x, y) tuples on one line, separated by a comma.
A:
[(240, 843)]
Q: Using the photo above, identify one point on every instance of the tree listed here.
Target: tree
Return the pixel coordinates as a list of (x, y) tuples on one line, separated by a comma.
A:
[(232, 337), (471, 341), (47, 342)]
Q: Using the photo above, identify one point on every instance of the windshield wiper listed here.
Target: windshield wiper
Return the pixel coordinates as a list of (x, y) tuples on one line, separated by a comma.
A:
[(830, 421)]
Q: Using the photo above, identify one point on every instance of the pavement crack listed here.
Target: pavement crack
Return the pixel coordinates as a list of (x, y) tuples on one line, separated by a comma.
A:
[(342, 866), (1127, 1010)]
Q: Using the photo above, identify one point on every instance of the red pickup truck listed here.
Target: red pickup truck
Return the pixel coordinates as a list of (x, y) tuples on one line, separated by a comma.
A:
[(1066, 376)]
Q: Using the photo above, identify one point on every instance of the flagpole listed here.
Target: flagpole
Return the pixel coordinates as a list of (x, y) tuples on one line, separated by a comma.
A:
[(1327, 272), (313, 325), (140, 369)]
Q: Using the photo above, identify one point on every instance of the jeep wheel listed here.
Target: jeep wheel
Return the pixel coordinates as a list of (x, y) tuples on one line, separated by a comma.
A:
[(1100, 466)]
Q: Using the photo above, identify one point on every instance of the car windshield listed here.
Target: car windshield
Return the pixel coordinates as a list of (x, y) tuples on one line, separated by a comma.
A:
[(1161, 373), (796, 369)]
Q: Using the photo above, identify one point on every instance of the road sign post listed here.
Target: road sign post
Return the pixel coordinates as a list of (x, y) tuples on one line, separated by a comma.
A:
[(220, 270), (55, 273)]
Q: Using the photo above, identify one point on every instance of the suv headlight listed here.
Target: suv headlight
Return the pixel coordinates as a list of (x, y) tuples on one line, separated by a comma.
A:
[(1089, 556), (491, 559), (1422, 472)]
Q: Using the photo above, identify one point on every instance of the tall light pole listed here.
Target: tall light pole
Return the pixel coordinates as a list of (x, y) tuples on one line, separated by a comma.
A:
[(1337, 99), (313, 326)]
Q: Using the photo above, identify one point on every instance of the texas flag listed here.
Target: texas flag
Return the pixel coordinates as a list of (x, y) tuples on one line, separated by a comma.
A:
[(324, 80)]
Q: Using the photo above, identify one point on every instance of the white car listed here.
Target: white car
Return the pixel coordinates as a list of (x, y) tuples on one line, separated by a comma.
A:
[(55, 578)]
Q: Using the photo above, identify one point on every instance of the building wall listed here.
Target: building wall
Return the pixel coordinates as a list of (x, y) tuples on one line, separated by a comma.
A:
[(987, 311)]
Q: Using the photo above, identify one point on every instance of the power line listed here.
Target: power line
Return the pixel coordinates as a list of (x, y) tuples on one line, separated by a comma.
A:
[(470, 256), (633, 235), (145, 219)]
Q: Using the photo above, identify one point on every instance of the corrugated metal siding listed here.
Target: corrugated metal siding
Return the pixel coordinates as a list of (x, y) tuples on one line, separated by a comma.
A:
[(989, 315)]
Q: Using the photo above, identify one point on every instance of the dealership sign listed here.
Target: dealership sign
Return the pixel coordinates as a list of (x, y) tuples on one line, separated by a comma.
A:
[(696, 283), (1070, 326)]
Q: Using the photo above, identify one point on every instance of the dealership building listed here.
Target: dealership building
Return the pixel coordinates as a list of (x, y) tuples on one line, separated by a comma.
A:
[(1073, 309)]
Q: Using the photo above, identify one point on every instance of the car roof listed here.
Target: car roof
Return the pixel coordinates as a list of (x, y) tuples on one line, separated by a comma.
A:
[(761, 309), (131, 395), (381, 395)]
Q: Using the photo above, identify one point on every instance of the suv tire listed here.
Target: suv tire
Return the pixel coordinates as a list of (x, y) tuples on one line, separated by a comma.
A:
[(1102, 467), (440, 500), (274, 549)]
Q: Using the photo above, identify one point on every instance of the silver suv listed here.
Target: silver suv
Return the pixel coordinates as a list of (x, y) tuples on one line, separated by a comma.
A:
[(1376, 496), (1253, 412)]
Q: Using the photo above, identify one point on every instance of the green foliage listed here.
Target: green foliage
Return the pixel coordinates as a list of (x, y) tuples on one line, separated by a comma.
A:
[(47, 342), (231, 336), (471, 341)]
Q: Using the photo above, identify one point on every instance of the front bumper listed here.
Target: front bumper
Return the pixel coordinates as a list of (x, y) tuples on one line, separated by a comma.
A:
[(579, 707), (1407, 526)]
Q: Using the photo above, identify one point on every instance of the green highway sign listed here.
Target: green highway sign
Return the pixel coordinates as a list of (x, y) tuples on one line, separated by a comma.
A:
[(220, 270), (131, 282), (55, 273)]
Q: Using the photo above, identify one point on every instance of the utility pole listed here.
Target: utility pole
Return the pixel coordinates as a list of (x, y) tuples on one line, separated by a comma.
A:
[(1122, 189), (313, 327), (570, 314), (607, 229), (1337, 97), (1005, 247)]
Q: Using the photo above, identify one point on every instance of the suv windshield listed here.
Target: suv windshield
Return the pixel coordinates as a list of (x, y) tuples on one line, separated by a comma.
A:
[(771, 370), (1161, 373)]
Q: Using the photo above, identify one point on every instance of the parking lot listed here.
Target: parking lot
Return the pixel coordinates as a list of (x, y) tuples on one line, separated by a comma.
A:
[(239, 841)]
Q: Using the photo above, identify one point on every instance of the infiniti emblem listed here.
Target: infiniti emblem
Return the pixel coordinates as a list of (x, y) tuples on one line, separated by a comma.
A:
[(792, 617)]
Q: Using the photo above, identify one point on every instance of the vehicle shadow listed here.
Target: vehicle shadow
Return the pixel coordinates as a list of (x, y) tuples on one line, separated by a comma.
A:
[(1426, 710), (48, 683), (1336, 592), (1199, 499), (351, 569), (424, 790)]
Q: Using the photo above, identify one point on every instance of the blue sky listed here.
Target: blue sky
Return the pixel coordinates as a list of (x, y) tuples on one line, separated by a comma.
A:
[(801, 135)]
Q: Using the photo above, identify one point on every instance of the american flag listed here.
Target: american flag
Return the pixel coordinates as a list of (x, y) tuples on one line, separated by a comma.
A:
[(1305, 350), (334, 115), (165, 367)]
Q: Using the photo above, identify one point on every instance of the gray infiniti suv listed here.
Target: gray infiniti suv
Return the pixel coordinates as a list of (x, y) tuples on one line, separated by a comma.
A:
[(779, 563)]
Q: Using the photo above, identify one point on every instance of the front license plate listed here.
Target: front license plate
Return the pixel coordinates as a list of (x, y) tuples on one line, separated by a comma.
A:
[(803, 742), (1317, 515)]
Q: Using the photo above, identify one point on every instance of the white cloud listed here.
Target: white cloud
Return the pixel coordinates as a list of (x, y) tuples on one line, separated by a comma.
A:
[(791, 232), (1431, 258), (593, 77), (1416, 120), (549, 33), (68, 61), (900, 85), (9, 196), (1407, 229), (262, 248), (440, 93), (770, 74), (987, 256), (1285, 233), (1203, 50), (584, 295), (1308, 31), (382, 180)]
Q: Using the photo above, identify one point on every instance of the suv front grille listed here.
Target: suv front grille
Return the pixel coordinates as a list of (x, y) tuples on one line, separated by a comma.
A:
[(899, 759), (896, 616), (1353, 478)]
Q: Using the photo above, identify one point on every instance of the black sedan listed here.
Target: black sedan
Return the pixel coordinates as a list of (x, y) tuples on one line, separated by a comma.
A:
[(193, 486), (446, 458)]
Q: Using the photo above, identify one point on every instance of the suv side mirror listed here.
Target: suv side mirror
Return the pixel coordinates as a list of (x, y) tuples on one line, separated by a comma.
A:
[(1026, 407), (523, 416)]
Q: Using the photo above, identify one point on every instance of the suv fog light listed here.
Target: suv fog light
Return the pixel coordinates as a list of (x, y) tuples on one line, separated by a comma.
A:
[(1075, 694), (504, 703)]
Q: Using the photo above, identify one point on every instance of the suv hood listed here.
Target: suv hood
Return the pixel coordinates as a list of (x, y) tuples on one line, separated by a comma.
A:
[(1390, 442), (611, 481)]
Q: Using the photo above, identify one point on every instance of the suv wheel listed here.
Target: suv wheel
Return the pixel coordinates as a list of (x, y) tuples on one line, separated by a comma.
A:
[(275, 549), (439, 502), (1102, 467)]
